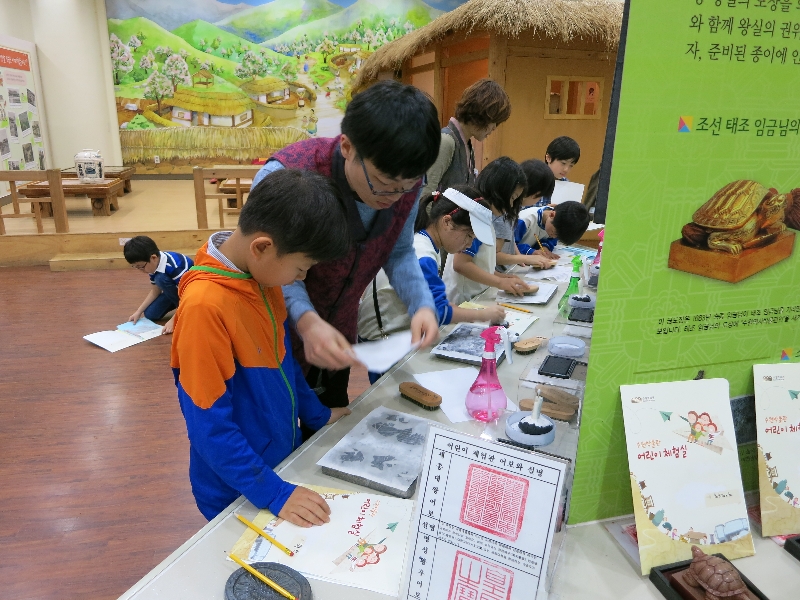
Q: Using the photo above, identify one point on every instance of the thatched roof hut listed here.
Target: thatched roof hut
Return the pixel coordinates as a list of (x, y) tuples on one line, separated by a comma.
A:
[(213, 103), (555, 58), (264, 85), (559, 20)]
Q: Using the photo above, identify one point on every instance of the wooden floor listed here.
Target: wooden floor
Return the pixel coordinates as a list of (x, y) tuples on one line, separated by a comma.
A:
[(153, 205), (94, 488)]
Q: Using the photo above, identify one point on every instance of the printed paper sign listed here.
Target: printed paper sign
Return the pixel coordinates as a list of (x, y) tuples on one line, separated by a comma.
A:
[(484, 520), (777, 390), (684, 471)]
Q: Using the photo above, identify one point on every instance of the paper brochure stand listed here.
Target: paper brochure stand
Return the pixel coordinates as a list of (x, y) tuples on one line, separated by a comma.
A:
[(684, 471)]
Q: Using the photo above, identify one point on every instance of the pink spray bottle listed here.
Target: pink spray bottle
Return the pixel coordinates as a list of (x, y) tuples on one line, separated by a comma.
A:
[(601, 235), (486, 399)]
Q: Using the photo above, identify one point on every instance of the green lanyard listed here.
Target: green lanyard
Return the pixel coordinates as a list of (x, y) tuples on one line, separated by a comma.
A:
[(234, 275)]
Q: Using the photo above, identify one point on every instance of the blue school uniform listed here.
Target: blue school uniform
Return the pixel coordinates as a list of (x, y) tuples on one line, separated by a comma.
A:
[(530, 225), (171, 267)]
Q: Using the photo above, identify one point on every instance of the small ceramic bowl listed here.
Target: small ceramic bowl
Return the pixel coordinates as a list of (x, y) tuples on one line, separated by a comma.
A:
[(513, 432)]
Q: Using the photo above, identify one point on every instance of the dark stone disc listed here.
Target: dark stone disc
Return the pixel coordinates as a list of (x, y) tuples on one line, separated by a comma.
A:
[(241, 585)]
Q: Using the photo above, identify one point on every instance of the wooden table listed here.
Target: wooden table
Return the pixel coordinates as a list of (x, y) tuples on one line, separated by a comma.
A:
[(124, 173), (102, 192), (228, 186)]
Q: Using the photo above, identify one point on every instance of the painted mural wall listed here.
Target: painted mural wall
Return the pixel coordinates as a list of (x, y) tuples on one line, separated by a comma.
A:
[(212, 82)]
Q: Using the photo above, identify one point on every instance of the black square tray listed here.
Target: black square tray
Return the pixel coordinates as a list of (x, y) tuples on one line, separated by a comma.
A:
[(660, 579)]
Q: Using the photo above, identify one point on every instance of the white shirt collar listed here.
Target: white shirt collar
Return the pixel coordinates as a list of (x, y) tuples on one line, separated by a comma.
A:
[(162, 263)]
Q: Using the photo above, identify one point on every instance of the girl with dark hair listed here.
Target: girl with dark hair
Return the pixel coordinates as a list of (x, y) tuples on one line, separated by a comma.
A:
[(502, 184), (448, 221)]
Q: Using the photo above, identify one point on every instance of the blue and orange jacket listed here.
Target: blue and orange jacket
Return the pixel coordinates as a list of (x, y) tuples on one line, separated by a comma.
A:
[(240, 389)]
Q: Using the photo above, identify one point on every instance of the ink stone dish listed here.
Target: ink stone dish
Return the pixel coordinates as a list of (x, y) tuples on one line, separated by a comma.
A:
[(242, 585)]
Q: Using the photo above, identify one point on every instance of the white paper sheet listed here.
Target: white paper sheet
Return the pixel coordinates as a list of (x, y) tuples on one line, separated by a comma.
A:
[(126, 335), (363, 545), (518, 321), (542, 296), (567, 191), (381, 355), (453, 386), (559, 273), (113, 341)]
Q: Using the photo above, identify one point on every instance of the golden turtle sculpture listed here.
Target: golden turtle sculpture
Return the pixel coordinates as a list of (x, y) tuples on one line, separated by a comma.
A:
[(743, 214), (716, 576)]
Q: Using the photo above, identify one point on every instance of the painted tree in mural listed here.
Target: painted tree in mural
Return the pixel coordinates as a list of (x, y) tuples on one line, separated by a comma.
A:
[(158, 87), (146, 62), (252, 66), (134, 43), (121, 59), (369, 38), (177, 71), (163, 51), (326, 48), (288, 72)]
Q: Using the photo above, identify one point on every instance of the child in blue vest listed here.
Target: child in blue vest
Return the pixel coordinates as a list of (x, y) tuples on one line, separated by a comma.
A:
[(562, 154), (165, 270)]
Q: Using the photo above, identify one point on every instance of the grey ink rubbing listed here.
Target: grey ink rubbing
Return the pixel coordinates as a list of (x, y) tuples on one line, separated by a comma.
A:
[(380, 461), (465, 340), (353, 456), (383, 437)]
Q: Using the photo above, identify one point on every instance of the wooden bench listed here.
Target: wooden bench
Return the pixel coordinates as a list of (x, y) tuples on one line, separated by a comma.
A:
[(124, 173), (104, 193)]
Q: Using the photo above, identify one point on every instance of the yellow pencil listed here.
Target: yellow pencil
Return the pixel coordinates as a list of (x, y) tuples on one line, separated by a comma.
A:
[(262, 577), (265, 535), (538, 241), (515, 307)]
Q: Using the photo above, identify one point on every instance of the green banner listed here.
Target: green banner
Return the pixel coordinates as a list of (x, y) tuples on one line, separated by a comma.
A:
[(699, 270)]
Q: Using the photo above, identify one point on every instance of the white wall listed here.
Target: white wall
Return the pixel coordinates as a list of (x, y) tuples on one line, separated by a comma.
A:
[(71, 37), (15, 19)]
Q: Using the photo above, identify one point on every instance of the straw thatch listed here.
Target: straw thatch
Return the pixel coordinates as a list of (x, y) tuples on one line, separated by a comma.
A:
[(265, 85), (214, 103), (562, 21), (190, 143)]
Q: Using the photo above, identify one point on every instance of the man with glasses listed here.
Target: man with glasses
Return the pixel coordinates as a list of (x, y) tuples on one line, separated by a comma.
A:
[(390, 137)]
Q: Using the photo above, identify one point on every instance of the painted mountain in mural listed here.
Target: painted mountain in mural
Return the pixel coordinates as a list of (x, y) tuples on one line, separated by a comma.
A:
[(270, 20), (170, 15), (361, 16), (214, 40)]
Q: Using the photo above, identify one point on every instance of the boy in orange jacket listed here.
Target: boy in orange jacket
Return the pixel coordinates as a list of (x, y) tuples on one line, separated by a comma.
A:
[(240, 389)]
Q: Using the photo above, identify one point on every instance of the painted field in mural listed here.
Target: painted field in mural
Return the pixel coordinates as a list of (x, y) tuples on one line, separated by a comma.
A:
[(285, 65)]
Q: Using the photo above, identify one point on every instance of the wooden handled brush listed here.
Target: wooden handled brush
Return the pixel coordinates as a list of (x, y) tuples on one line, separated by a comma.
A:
[(420, 395)]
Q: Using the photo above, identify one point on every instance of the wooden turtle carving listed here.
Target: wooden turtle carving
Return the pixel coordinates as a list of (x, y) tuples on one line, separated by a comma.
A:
[(716, 576), (743, 214)]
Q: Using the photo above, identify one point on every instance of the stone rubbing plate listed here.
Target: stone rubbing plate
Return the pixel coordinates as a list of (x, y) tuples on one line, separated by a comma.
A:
[(241, 585)]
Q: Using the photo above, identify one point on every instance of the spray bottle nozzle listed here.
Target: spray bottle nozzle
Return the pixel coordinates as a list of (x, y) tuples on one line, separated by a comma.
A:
[(495, 335)]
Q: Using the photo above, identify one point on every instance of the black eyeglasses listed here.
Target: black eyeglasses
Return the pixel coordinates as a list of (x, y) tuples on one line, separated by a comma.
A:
[(421, 182)]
